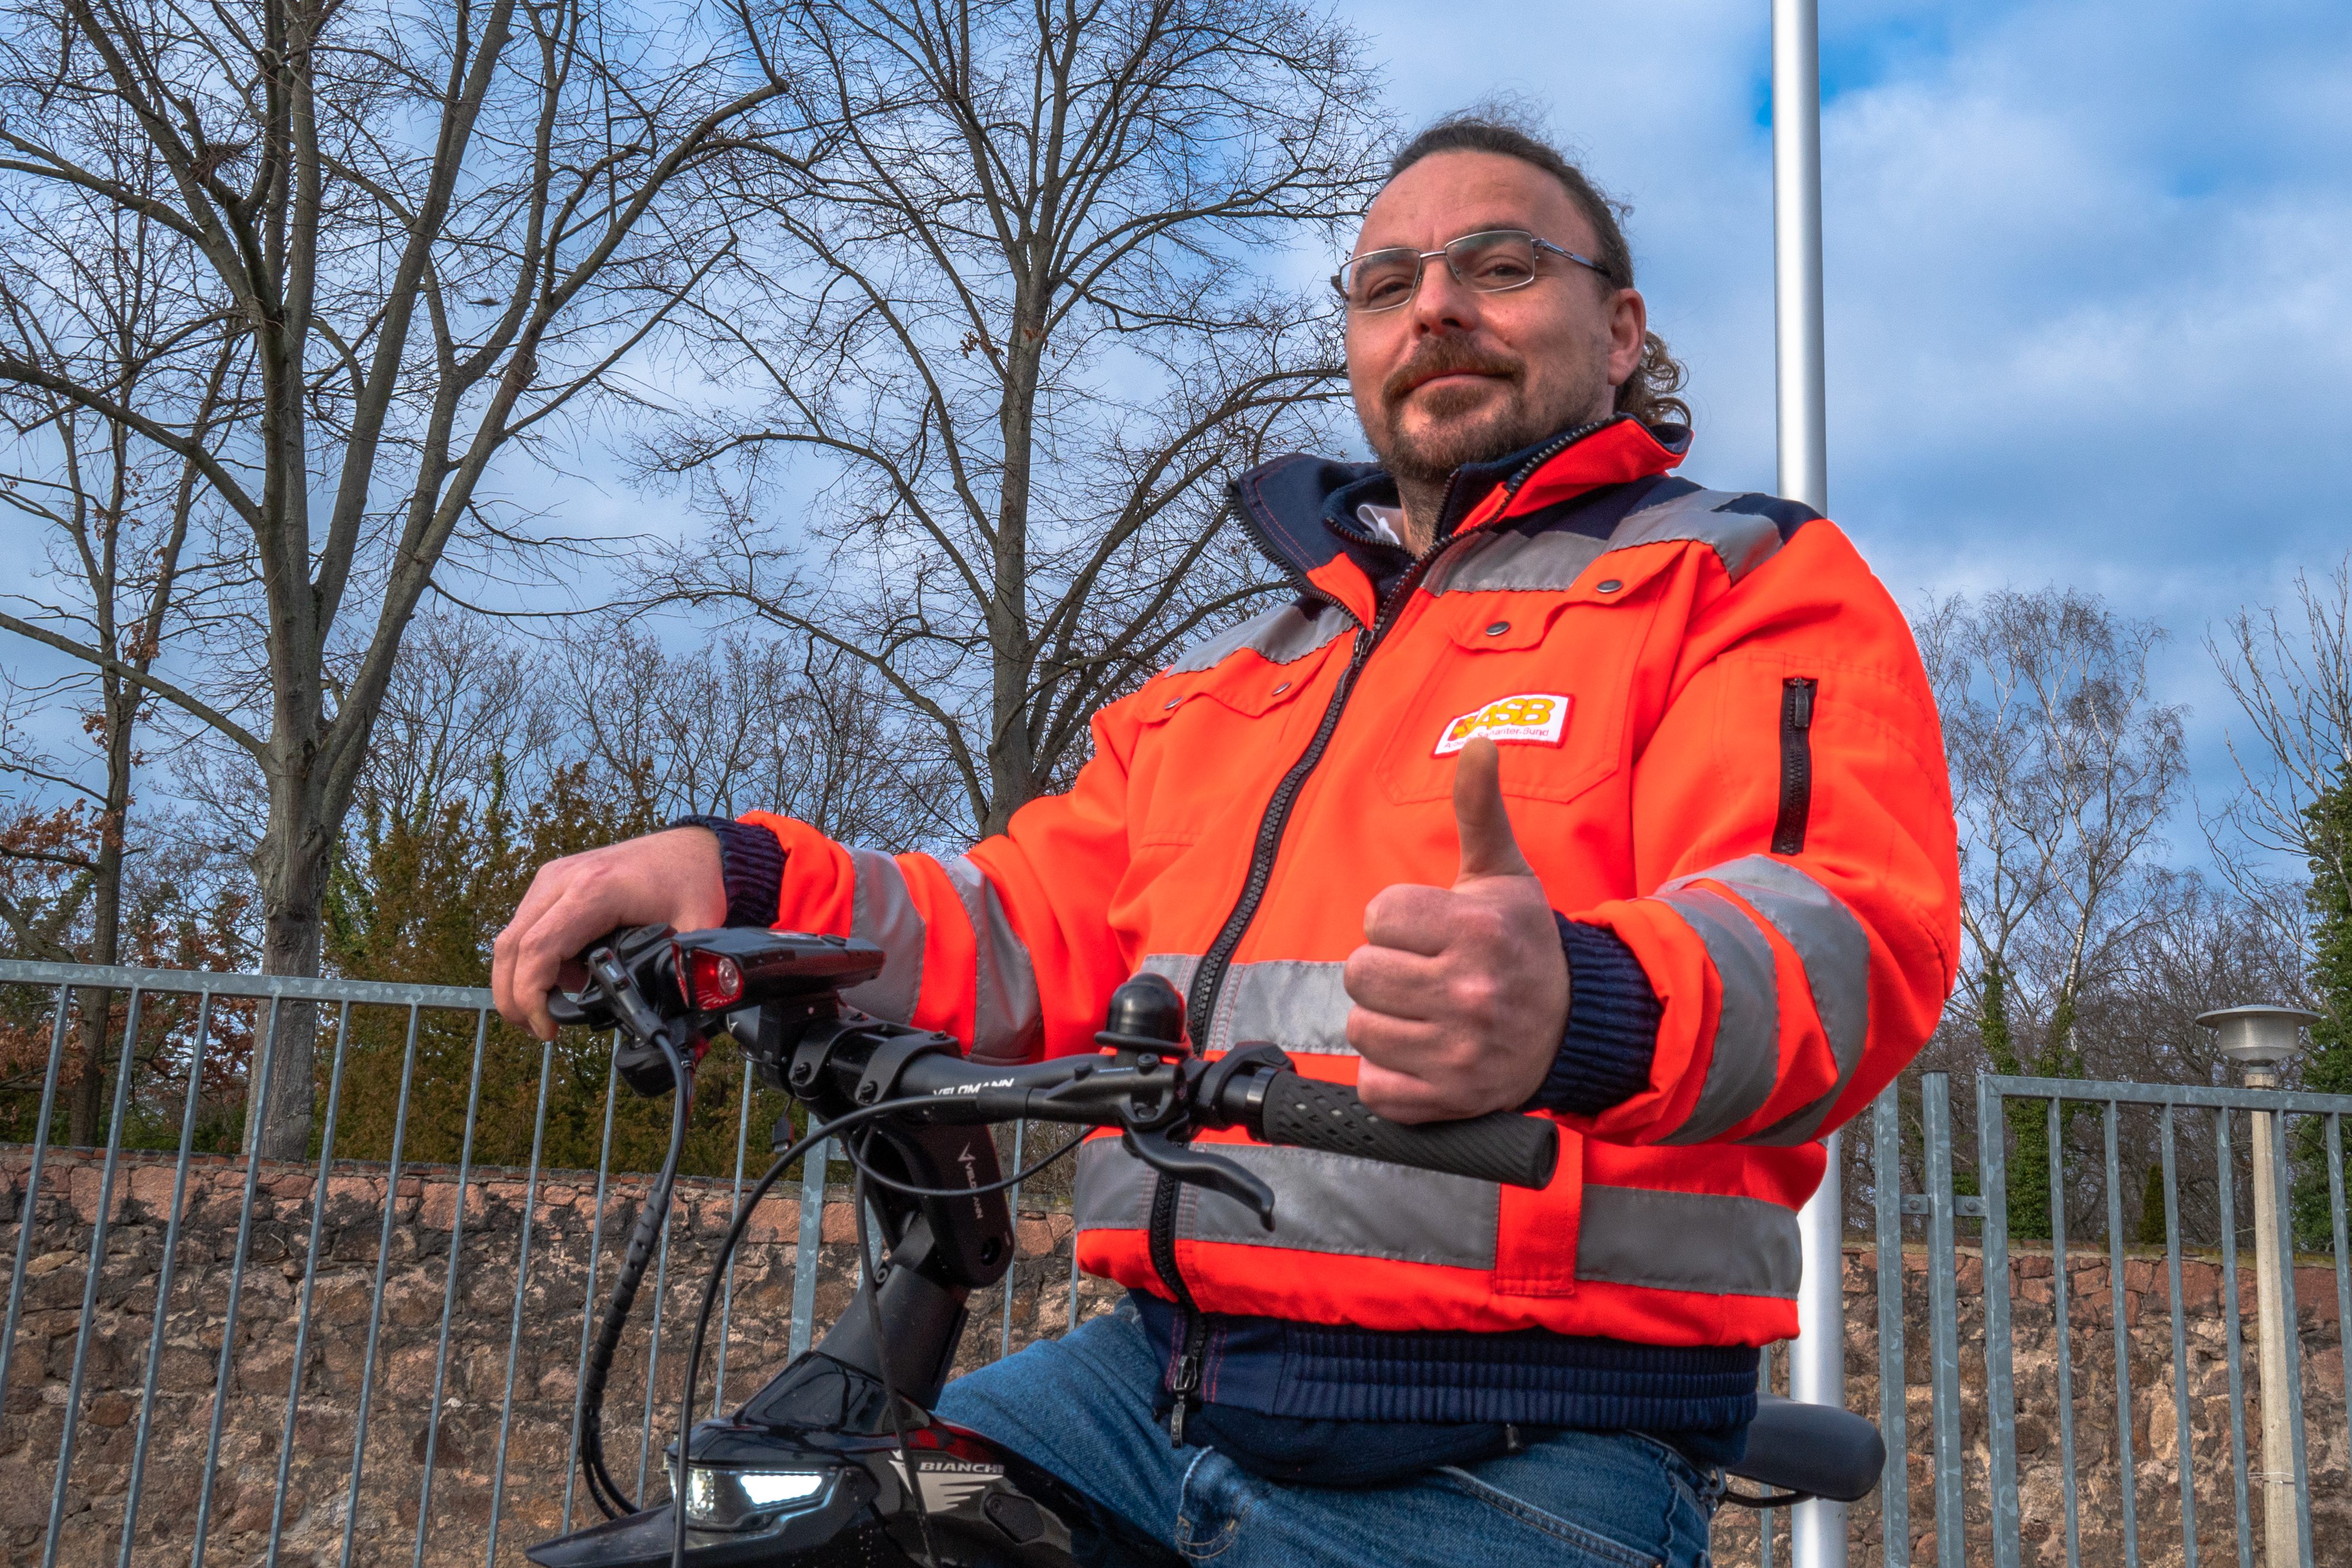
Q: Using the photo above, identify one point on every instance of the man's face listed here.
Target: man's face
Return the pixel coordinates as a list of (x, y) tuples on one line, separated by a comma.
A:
[(1457, 376)]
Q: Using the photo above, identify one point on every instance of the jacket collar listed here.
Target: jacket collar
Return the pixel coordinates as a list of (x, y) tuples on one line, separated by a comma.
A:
[(1301, 510)]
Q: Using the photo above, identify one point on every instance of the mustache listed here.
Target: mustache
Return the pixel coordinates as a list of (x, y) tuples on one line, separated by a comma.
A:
[(1447, 357)]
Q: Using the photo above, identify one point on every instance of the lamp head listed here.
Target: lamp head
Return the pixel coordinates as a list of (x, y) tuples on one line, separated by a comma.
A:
[(2261, 1034)]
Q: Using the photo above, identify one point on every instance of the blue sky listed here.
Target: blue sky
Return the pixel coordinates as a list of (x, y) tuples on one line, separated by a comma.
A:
[(2088, 272), (2089, 278)]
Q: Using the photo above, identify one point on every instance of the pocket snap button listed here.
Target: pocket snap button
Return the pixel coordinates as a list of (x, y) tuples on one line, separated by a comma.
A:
[(1171, 702), (1282, 688), (1498, 628), (1611, 586)]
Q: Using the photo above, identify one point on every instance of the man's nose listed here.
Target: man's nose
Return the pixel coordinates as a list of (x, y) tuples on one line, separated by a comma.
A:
[(1442, 303)]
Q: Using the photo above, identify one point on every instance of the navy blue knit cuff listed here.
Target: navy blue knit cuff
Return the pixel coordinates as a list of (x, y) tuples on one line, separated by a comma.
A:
[(1613, 1025), (751, 864)]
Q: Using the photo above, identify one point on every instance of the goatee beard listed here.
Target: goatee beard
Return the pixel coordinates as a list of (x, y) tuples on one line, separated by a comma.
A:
[(1448, 442)]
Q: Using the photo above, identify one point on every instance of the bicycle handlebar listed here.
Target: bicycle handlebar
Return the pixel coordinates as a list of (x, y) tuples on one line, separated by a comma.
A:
[(684, 986), (1276, 1106)]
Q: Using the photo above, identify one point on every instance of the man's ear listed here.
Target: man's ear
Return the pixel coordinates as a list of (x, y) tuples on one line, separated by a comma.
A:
[(1629, 324)]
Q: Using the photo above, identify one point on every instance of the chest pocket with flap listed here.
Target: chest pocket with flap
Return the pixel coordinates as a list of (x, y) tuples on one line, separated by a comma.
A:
[(1546, 675), (1219, 739)]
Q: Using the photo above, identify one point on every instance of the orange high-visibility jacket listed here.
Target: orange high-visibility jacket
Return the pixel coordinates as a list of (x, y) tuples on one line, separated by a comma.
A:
[(1716, 742)]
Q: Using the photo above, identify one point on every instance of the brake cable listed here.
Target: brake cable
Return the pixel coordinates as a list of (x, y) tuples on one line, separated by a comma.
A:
[(602, 1489), (857, 1161)]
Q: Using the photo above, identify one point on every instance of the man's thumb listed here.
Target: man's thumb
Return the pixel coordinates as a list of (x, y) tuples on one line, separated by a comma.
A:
[(1488, 848)]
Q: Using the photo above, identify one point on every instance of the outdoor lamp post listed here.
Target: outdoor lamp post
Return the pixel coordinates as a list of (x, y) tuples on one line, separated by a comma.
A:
[(2260, 1037)]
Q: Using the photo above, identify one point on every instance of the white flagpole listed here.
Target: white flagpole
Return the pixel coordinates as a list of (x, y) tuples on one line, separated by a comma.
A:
[(1817, 1359)]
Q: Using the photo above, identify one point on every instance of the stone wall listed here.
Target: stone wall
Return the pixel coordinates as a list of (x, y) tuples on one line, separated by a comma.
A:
[(475, 1373), (2153, 1426), (478, 1367)]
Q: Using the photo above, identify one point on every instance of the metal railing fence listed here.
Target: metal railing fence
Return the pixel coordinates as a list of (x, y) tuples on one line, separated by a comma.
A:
[(283, 1392), (202, 1351), (1989, 1505)]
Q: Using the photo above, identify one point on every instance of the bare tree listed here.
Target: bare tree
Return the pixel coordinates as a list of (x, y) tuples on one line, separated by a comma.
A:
[(428, 231), (2291, 676), (2292, 683), (1010, 307), (2064, 771), (781, 723), (469, 706), (88, 296)]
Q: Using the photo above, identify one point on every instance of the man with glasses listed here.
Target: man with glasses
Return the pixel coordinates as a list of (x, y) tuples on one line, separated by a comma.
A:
[(1562, 785)]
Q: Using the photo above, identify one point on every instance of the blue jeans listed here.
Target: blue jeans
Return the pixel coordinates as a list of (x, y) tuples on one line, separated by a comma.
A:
[(1081, 1407)]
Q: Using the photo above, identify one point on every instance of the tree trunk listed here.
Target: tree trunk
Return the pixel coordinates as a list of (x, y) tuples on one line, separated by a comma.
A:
[(1012, 760), (85, 1111), (283, 1078)]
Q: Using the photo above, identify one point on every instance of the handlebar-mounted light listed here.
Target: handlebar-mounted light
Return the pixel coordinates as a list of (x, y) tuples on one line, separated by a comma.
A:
[(744, 967), (709, 981)]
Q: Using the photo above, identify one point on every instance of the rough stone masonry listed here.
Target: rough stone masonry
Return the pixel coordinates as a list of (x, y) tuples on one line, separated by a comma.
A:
[(453, 1502)]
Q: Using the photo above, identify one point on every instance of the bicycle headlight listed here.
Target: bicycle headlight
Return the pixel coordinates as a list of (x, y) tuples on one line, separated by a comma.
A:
[(724, 1498)]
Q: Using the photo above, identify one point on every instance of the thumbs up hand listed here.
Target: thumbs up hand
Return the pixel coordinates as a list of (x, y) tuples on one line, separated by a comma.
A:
[(1461, 993)]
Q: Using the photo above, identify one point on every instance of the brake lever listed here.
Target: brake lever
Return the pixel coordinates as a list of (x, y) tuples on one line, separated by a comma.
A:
[(1181, 1162)]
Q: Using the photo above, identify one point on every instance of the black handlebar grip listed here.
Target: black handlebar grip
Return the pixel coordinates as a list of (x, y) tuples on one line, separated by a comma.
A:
[(1503, 1146)]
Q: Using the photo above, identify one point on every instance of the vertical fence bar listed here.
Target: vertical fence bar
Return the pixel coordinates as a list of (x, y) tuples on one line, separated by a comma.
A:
[(2000, 1388), (449, 1294), (98, 1235), (166, 1273), (1764, 1543), (2282, 1206), (375, 1306), (309, 1284), (1894, 1481), (653, 1356), (26, 1219), (1013, 1268), (734, 1212), (2127, 1481), (588, 1301), (1073, 1321), (804, 1252), (514, 1323), (1944, 1318), (2233, 1336), (2342, 1263), (2064, 1325), (2182, 1437), (256, 1097)]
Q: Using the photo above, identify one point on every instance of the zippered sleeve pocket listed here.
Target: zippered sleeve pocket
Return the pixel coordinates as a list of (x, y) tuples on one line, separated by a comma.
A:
[(1797, 695)]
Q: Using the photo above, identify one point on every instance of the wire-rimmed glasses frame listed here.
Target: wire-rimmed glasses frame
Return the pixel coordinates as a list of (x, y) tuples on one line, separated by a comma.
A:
[(1479, 262)]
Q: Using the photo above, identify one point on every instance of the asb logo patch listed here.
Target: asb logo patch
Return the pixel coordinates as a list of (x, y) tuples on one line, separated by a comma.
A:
[(1536, 718)]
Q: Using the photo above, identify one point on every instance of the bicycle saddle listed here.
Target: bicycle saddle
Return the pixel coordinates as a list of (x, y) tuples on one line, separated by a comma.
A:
[(1814, 1450)]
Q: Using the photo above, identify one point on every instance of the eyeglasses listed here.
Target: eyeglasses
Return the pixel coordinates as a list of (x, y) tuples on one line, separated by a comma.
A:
[(1492, 262)]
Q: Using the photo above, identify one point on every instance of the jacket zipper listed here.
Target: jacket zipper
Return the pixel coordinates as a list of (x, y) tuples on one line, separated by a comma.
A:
[(1796, 763), (1209, 979), (1202, 1001)]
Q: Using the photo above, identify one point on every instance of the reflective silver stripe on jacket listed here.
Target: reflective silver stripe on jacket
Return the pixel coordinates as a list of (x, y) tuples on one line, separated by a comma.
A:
[(1835, 953), (1298, 1004), (883, 912), (1324, 1203), (1554, 560), (1701, 1241), (1706, 1243), (1278, 636), (1746, 1060), (1007, 1021)]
